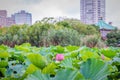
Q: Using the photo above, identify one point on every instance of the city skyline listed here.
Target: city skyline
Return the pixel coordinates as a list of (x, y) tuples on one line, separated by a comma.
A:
[(53, 8), (5, 20), (19, 18)]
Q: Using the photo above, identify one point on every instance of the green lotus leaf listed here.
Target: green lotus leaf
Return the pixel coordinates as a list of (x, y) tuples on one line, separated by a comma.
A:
[(37, 60), (66, 74), (67, 63), (37, 75), (108, 53), (3, 47), (95, 69), (26, 45), (62, 74), (21, 48), (31, 68), (72, 48), (3, 64), (88, 54), (49, 69), (15, 70), (2, 72), (59, 49), (4, 55)]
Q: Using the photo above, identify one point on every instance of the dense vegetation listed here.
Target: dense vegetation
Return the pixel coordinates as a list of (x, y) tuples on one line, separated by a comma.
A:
[(51, 51), (44, 33), (113, 38), (25, 62)]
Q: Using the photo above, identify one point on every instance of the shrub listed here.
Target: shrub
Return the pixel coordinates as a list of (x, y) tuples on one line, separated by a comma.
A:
[(43, 33), (113, 38), (101, 44), (90, 41), (64, 37)]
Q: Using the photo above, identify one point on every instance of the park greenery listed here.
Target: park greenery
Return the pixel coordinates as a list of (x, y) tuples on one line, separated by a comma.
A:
[(26, 62), (113, 38), (44, 33), (58, 50)]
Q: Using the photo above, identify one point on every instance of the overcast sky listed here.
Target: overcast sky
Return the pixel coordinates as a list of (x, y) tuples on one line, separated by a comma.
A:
[(56, 8)]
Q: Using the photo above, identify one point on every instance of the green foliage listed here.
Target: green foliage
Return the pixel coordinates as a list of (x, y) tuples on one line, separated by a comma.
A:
[(3, 64), (44, 33), (78, 26), (59, 49), (30, 69), (67, 63), (108, 52), (88, 54), (26, 62), (4, 54), (2, 72), (38, 76), (113, 38), (63, 74), (72, 48), (38, 60), (15, 70), (49, 69), (96, 27), (64, 23), (94, 69), (64, 37), (66, 74), (116, 68), (90, 41)]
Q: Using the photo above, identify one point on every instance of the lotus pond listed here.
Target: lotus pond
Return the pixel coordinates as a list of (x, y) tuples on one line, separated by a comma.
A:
[(26, 62)]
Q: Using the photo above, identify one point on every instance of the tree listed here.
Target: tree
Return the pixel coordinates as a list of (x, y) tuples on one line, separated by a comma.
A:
[(113, 38), (78, 26)]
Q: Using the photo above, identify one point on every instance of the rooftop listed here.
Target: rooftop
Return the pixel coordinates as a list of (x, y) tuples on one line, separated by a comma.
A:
[(104, 25)]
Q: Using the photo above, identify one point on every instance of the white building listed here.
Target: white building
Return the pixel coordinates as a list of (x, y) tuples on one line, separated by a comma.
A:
[(92, 11), (22, 17)]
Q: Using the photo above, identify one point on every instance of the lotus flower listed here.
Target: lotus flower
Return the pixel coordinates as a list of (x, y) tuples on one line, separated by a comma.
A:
[(103, 57), (59, 57)]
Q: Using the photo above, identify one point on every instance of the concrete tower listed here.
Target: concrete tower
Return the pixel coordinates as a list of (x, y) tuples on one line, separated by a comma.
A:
[(92, 11)]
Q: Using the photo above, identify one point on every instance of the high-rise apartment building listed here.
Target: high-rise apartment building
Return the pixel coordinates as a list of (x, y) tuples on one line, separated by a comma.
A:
[(92, 11), (4, 20), (10, 21), (3, 13), (22, 17), (3, 16)]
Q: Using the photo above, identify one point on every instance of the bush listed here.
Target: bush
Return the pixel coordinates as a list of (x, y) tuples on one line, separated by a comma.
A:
[(90, 41), (101, 44), (43, 33), (64, 37), (80, 27), (113, 38)]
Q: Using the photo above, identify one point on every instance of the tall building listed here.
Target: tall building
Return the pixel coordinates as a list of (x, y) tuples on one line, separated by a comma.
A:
[(22, 17), (4, 20), (3, 13), (3, 16), (10, 21), (92, 11)]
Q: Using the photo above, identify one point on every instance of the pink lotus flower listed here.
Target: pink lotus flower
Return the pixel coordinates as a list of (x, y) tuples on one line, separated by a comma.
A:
[(102, 57), (59, 57)]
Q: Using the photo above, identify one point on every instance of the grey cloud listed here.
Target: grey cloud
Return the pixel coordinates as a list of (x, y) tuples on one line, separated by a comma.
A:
[(30, 2), (113, 12)]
